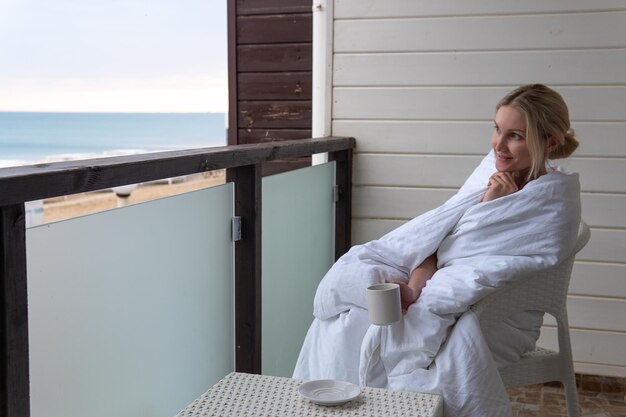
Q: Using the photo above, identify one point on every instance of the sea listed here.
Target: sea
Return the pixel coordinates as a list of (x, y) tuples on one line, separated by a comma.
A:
[(35, 137)]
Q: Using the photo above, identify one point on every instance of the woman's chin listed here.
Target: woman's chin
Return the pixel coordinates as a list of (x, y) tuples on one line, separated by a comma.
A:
[(502, 167)]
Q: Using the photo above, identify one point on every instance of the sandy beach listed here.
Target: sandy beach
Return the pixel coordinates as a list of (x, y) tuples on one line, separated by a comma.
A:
[(67, 207)]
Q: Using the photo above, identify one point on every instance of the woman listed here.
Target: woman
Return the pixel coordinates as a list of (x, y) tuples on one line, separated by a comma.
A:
[(531, 126), (514, 216)]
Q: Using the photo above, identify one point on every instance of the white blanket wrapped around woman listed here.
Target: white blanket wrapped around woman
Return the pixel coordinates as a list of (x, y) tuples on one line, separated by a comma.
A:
[(480, 247)]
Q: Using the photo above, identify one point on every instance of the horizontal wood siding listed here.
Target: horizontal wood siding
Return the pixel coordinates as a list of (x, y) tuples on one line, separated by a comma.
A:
[(594, 351), (270, 86), (253, 7), (589, 103), (476, 33), (275, 114), (586, 311), (359, 9), (593, 67), (416, 82), (271, 135), (275, 58), (275, 28), (598, 279)]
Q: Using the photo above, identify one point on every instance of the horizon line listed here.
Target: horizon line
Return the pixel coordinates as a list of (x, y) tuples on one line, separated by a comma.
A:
[(114, 112)]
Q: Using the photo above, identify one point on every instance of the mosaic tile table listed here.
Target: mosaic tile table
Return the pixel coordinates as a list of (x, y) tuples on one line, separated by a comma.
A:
[(240, 394)]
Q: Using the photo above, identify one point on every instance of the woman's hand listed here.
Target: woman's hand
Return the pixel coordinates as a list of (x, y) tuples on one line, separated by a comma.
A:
[(500, 184), (408, 295), (409, 292)]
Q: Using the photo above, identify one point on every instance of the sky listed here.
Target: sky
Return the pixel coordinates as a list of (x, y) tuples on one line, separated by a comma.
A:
[(113, 55)]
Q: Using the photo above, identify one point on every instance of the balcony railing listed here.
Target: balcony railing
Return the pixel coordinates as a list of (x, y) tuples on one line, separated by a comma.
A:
[(19, 185)]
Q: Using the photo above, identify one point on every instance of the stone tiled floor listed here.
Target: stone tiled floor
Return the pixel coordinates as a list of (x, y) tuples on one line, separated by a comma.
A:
[(549, 401)]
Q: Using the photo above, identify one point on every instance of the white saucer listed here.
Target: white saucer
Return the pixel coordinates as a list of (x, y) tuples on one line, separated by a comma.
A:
[(329, 392)]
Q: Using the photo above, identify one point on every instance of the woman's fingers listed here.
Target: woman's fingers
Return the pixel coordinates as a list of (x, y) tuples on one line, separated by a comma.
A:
[(407, 295), (500, 185), (509, 180), (503, 176)]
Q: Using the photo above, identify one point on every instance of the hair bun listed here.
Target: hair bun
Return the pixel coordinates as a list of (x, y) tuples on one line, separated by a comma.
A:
[(565, 149)]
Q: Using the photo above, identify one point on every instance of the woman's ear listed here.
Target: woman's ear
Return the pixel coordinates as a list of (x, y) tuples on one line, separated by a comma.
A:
[(552, 144)]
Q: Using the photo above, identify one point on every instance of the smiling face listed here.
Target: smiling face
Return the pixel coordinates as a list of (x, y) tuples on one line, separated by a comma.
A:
[(509, 141)]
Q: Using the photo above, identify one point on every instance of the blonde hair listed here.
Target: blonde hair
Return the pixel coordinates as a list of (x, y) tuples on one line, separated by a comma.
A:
[(547, 117)]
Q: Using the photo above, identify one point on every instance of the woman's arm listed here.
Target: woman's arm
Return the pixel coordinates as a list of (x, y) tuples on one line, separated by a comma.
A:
[(420, 275), (500, 184)]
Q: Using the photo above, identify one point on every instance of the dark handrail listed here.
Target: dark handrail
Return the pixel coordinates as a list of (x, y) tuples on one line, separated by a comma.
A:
[(36, 182), (27, 183)]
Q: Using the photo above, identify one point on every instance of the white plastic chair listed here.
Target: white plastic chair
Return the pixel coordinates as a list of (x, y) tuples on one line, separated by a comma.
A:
[(547, 292)]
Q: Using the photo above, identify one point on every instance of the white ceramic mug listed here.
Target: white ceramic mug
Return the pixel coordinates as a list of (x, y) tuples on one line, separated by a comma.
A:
[(383, 304)]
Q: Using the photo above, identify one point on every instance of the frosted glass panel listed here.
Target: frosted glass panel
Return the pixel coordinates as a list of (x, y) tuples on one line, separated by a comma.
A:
[(298, 247), (131, 310)]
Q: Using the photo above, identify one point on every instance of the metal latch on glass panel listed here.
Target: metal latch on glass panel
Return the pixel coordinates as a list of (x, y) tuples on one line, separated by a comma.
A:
[(336, 193), (236, 228)]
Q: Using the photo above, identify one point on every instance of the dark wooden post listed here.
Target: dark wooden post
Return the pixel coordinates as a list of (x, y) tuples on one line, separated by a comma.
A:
[(270, 44), (14, 390), (247, 181), (233, 103), (343, 207)]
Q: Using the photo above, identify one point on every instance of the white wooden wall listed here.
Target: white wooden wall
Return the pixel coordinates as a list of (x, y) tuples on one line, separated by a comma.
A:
[(416, 82)]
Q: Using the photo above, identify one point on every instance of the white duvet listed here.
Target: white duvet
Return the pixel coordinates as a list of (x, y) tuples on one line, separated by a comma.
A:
[(480, 247)]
